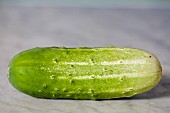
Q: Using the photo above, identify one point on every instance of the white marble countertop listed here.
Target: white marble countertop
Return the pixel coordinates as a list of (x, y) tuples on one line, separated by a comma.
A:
[(27, 27)]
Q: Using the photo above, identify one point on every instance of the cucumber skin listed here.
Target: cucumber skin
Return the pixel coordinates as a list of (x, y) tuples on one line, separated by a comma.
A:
[(84, 73)]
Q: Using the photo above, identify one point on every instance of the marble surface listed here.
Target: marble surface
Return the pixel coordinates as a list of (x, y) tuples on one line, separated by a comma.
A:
[(27, 27)]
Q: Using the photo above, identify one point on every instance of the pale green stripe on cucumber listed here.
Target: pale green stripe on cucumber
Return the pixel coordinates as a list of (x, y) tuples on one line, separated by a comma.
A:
[(84, 73)]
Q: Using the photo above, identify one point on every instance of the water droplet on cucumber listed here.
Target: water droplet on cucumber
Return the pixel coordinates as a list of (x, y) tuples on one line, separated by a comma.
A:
[(67, 52), (130, 89), (92, 76), (134, 93), (70, 74), (123, 92), (55, 60), (45, 86), (71, 66), (121, 78), (52, 76), (79, 90), (71, 81), (65, 90), (127, 51), (104, 69), (40, 91), (91, 61), (110, 72), (54, 95), (94, 95), (92, 90), (56, 89), (101, 74)]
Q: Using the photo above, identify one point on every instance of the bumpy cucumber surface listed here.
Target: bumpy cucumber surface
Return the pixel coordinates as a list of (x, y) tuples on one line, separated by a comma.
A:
[(84, 73)]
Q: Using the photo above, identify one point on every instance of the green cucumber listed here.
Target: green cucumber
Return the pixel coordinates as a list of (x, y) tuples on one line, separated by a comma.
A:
[(84, 73)]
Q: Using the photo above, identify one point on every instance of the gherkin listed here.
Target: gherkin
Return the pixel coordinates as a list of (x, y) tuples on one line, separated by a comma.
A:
[(84, 73)]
